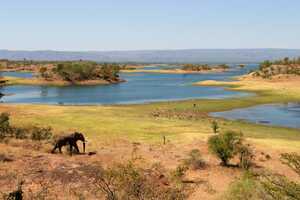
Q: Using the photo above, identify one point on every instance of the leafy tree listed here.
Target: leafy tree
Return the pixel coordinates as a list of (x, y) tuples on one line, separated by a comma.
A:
[(4, 125), (215, 126), (225, 145), (265, 64)]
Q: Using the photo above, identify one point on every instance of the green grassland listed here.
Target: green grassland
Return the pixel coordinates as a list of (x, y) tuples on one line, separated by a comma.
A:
[(136, 123)]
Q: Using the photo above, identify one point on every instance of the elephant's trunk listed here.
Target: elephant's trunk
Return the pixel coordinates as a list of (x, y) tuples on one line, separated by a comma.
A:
[(83, 144)]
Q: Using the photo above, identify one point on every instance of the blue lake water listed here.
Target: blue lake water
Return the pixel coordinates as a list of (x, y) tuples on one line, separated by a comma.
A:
[(18, 74), (139, 88), (286, 115)]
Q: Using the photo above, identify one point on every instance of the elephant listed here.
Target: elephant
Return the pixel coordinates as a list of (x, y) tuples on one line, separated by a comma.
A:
[(70, 140)]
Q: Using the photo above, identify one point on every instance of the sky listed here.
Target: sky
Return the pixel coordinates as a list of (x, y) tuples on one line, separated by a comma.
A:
[(83, 25)]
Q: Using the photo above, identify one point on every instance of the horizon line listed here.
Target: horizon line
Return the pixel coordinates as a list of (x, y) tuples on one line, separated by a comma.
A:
[(135, 50)]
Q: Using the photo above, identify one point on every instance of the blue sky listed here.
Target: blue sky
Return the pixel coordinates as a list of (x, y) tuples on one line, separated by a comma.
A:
[(148, 24)]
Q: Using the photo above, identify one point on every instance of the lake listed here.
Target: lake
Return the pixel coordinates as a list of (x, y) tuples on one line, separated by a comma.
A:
[(139, 88), (286, 115)]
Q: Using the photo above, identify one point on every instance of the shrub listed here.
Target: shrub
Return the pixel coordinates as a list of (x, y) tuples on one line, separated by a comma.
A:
[(246, 188), (246, 156), (292, 160), (4, 125), (19, 133), (15, 195), (215, 126), (225, 145), (179, 173), (126, 181), (278, 186), (195, 161), (41, 133), (267, 186)]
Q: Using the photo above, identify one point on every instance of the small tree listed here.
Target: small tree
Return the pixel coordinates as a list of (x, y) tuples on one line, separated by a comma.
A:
[(215, 126), (43, 71), (4, 125), (225, 146)]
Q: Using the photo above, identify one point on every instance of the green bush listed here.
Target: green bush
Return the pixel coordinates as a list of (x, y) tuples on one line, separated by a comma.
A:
[(280, 187), (19, 133), (225, 145), (292, 160), (41, 133), (4, 125), (276, 186), (215, 126), (267, 185), (246, 188)]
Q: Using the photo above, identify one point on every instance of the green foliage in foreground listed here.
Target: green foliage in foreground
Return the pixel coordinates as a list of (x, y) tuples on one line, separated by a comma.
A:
[(229, 144), (267, 186), (246, 188), (128, 181), (225, 145)]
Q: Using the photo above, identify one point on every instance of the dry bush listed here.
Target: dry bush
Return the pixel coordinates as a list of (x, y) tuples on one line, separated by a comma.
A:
[(39, 134), (127, 181), (195, 161), (267, 185), (246, 156), (16, 194)]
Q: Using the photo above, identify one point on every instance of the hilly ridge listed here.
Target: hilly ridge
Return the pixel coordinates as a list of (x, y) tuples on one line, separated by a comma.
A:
[(157, 56)]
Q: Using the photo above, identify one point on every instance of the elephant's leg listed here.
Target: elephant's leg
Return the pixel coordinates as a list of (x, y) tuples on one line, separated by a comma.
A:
[(55, 147), (59, 148), (71, 148), (76, 147)]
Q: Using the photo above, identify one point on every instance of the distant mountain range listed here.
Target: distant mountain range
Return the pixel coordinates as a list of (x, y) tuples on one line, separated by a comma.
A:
[(158, 56)]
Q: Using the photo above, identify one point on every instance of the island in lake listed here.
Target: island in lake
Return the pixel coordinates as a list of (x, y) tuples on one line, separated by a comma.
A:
[(61, 73), (184, 69)]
